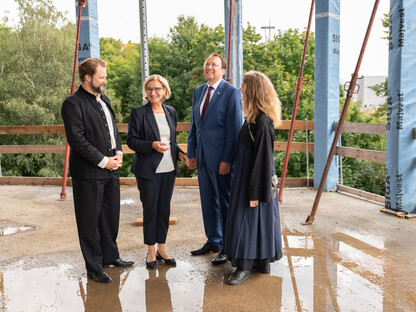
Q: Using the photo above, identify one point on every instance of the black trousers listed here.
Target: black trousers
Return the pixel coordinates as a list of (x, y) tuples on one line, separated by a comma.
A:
[(155, 195), (97, 211)]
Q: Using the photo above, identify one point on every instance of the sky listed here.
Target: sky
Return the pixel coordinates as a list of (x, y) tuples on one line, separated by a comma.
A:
[(120, 20)]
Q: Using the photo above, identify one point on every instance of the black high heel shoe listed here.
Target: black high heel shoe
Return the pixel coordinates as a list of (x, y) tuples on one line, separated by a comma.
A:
[(152, 264), (167, 261)]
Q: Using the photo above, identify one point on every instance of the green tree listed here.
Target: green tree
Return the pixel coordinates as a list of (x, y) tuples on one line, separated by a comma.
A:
[(36, 71)]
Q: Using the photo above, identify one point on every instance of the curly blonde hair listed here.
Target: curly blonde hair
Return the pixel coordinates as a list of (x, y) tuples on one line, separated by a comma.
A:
[(259, 95)]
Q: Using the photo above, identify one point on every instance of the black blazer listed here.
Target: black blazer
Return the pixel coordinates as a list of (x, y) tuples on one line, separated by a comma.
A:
[(87, 134), (142, 132)]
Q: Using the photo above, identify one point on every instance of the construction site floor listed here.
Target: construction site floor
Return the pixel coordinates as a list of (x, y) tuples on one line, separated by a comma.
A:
[(352, 258)]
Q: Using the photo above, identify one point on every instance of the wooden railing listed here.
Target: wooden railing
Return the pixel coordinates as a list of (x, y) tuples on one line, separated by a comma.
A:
[(358, 153), (181, 127)]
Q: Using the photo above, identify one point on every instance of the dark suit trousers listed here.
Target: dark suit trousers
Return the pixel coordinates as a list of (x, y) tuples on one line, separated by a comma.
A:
[(155, 195), (214, 190), (97, 211)]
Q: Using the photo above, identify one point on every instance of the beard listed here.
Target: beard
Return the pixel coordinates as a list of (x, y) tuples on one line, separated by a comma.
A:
[(98, 89)]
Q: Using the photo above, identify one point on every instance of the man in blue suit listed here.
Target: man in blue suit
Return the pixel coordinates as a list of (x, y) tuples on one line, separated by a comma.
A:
[(212, 143)]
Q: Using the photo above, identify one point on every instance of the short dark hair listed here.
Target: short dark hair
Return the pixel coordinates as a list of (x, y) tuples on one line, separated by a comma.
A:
[(223, 61), (89, 67)]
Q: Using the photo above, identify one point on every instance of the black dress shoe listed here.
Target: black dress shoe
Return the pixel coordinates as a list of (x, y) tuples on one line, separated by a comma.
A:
[(119, 263), (207, 248), (170, 261), (220, 258), (151, 264), (100, 277), (261, 269), (238, 277)]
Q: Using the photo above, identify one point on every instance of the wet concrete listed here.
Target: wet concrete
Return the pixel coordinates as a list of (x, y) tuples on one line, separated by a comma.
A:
[(353, 258), (7, 228)]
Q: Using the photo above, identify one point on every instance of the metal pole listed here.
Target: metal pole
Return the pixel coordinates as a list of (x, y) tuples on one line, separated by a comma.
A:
[(295, 106), (307, 153), (311, 216), (341, 178), (74, 72), (230, 33), (144, 42)]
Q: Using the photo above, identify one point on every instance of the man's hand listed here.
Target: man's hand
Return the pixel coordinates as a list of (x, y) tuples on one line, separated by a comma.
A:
[(182, 157), (159, 146), (254, 203), (191, 163), (114, 162), (224, 168), (119, 159)]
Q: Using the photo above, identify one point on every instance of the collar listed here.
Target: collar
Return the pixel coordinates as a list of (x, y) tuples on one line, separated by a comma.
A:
[(92, 96), (215, 85)]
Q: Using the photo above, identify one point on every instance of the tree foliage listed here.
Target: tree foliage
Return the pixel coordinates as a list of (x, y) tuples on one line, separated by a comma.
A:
[(36, 66), (36, 69)]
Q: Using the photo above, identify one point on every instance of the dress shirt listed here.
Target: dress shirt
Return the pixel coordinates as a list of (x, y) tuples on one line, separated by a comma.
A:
[(166, 164), (215, 86), (109, 119)]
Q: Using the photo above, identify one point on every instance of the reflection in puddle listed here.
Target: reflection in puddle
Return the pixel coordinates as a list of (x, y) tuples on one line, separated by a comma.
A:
[(126, 202), (7, 228), (335, 273)]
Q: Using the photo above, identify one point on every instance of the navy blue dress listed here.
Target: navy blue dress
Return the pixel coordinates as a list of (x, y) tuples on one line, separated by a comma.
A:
[(253, 234)]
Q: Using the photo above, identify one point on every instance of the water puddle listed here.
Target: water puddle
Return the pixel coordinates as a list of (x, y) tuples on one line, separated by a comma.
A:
[(7, 228), (126, 202), (340, 272)]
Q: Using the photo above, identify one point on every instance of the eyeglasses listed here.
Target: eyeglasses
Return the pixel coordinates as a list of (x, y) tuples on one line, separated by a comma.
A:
[(157, 90), (213, 65)]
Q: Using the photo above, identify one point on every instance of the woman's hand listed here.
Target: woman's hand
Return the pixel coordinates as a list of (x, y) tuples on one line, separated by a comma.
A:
[(182, 157), (254, 203), (159, 146)]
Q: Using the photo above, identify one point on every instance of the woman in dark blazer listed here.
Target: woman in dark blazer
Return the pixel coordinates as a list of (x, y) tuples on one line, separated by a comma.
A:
[(152, 135)]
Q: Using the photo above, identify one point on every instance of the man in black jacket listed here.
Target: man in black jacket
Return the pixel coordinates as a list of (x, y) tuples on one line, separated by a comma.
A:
[(95, 157)]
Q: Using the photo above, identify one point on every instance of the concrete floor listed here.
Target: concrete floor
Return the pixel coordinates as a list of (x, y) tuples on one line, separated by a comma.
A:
[(353, 258)]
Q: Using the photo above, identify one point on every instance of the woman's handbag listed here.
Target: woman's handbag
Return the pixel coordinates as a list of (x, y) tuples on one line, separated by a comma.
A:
[(275, 181)]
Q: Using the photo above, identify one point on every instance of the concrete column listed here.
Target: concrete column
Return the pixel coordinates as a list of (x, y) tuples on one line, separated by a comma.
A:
[(236, 59), (89, 44), (327, 38), (401, 108)]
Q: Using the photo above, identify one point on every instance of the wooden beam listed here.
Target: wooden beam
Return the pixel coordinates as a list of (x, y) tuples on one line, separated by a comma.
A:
[(290, 182), (183, 126), (359, 153), (172, 220), (367, 128), (278, 146), (299, 125), (360, 193), (295, 146), (32, 129), (60, 149), (32, 149), (32, 181), (123, 127)]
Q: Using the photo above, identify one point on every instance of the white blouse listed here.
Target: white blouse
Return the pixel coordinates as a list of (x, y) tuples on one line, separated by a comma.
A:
[(166, 164)]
